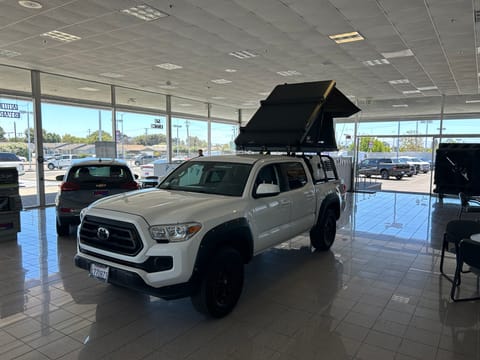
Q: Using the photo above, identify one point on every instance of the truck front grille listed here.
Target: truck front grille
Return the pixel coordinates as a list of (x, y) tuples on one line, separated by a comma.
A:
[(111, 235)]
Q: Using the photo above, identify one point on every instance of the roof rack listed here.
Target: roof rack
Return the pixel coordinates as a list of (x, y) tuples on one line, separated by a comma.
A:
[(296, 118)]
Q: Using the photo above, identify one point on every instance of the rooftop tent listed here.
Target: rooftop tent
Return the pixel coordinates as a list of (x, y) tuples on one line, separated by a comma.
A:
[(296, 118)]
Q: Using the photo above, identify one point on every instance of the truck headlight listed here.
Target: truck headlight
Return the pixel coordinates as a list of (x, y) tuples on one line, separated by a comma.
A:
[(174, 232)]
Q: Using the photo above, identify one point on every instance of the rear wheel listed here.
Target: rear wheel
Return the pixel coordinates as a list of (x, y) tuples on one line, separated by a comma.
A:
[(63, 229), (323, 233), (384, 174), (221, 284), (51, 166)]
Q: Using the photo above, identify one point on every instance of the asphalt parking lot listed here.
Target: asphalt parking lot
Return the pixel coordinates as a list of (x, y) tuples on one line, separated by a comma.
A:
[(419, 183)]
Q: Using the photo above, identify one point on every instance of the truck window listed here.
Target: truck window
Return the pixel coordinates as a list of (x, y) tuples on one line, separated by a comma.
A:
[(296, 176)]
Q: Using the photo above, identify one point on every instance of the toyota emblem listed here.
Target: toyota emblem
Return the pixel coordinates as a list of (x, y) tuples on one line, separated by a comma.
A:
[(103, 233)]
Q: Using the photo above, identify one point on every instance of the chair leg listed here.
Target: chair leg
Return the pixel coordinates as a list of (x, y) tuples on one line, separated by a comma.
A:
[(456, 283), (442, 257)]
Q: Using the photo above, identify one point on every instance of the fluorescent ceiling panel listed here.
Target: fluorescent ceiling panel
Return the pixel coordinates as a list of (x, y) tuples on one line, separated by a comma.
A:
[(144, 12), (346, 37), (397, 54)]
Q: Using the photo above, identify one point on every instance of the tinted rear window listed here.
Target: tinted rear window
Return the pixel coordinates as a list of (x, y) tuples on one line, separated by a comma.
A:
[(100, 174)]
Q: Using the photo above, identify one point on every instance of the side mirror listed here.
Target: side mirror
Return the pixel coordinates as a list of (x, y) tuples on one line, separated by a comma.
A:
[(59, 177), (264, 190), (135, 176)]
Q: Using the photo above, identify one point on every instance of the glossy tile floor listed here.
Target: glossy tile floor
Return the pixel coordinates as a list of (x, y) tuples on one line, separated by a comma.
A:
[(376, 295)]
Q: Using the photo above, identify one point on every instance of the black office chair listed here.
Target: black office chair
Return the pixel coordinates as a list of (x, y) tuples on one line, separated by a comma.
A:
[(468, 254), (457, 230), (468, 204)]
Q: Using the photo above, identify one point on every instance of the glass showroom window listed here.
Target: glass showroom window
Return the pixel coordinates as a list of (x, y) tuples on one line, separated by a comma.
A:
[(222, 138), (17, 136), (76, 131), (187, 137), (140, 134), (344, 133)]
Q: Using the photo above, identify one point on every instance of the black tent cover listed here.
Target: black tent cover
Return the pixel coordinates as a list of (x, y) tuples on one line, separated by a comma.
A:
[(296, 118)]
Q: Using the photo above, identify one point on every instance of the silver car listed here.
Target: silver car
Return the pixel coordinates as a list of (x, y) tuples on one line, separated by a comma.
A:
[(86, 181)]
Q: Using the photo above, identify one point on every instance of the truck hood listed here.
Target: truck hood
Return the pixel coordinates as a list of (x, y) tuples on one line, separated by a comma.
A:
[(165, 206)]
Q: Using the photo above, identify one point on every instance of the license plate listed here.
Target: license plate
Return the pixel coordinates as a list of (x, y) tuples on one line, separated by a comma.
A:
[(100, 193), (99, 272)]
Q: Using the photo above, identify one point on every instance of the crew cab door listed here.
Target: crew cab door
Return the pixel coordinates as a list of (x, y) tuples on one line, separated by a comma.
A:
[(270, 214), (300, 192)]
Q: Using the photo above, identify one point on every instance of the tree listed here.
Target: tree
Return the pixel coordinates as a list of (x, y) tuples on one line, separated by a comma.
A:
[(50, 137), (411, 143), (2, 134), (371, 144), (93, 137), (70, 139), (151, 139)]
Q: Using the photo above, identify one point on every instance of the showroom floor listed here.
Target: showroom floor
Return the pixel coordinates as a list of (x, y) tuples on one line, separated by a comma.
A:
[(376, 295)]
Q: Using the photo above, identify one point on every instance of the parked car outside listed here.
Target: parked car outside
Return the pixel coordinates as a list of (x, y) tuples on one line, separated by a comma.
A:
[(8, 159), (62, 161), (86, 181), (144, 159), (385, 167), (151, 174), (420, 165)]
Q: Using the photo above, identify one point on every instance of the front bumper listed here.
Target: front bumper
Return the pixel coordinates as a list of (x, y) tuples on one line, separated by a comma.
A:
[(132, 280)]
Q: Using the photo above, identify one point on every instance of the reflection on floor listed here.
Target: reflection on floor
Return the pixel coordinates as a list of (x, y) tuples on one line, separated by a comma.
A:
[(376, 295)]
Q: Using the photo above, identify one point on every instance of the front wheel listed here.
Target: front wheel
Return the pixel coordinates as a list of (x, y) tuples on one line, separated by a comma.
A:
[(51, 166), (323, 233), (221, 284)]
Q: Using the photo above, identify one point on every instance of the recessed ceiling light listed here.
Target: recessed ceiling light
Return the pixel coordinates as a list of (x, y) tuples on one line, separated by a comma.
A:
[(288, 73), (472, 101), (112, 75), (168, 66), (400, 81), (61, 36), (375, 62), (346, 37), (218, 97), (244, 54), (397, 54), (8, 53), (86, 88), (30, 4), (400, 105), (411, 92), (230, 70), (221, 81), (144, 12), (426, 88)]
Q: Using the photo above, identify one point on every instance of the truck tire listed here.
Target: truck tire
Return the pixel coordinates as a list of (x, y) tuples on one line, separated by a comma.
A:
[(323, 233), (398, 177), (62, 228), (51, 166), (221, 284), (384, 174)]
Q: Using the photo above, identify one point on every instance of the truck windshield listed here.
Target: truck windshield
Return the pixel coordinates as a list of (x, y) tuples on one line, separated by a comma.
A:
[(220, 178)]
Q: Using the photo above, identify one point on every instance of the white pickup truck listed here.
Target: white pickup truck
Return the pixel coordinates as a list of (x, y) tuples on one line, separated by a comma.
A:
[(193, 234)]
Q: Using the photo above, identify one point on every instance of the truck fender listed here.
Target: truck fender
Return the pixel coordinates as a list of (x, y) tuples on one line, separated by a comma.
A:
[(234, 233), (331, 201)]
